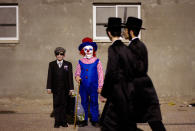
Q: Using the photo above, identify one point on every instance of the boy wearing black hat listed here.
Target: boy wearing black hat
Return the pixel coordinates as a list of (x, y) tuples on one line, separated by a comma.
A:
[(118, 88), (60, 83), (147, 108)]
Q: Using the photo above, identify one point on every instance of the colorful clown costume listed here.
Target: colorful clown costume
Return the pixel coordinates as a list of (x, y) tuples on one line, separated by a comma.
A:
[(91, 73)]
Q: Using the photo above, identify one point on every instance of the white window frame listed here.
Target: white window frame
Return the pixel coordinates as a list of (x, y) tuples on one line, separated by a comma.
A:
[(12, 39), (106, 39)]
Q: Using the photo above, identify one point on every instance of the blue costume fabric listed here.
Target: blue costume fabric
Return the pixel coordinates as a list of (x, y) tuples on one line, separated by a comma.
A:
[(88, 89)]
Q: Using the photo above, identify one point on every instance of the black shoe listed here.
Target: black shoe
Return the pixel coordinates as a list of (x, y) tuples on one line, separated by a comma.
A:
[(70, 122), (64, 125), (138, 129), (95, 124), (83, 123), (56, 126), (52, 114)]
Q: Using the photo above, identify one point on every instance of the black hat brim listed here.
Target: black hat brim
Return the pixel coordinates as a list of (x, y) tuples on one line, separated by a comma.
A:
[(126, 26), (121, 26)]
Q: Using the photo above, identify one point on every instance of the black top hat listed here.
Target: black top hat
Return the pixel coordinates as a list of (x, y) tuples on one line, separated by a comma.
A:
[(134, 23), (114, 22)]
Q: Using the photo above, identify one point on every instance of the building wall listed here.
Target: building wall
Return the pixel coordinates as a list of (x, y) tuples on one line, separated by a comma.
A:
[(46, 24)]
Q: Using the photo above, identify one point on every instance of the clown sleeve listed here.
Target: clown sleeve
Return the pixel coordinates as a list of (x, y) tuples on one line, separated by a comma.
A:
[(78, 70), (100, 75)]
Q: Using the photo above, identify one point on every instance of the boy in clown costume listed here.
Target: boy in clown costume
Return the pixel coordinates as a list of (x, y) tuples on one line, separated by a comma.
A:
[(89, 74)]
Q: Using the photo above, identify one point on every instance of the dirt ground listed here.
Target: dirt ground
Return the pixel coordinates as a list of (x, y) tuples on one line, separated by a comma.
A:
[(19, 114)]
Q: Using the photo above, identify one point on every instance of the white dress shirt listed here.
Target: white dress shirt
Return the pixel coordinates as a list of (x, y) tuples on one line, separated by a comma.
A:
[(132, 40), (60, 63)]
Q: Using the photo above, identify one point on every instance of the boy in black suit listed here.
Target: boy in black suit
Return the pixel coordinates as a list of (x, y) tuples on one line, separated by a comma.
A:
[(60, 83)]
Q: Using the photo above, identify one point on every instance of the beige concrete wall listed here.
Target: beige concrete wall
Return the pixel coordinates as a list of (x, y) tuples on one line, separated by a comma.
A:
[(46, 24)]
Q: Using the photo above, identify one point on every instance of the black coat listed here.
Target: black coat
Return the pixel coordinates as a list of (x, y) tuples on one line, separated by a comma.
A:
[(118, 88), (67, 74), (146, 103)]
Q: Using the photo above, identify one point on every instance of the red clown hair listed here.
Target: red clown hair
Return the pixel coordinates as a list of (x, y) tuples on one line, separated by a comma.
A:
[(83, 53)]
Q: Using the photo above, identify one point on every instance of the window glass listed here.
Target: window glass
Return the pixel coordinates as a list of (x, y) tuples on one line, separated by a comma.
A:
[(102, 12), (8, 23)]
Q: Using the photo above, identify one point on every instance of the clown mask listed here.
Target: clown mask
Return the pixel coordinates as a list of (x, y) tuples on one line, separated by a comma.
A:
[(88, 51)]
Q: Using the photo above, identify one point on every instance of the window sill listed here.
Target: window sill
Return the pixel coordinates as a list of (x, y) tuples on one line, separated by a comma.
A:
[(9, 41), (108, 41)]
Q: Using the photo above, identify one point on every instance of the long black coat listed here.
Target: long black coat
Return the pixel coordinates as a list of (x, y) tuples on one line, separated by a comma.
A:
[(118, 88), (146, 103)]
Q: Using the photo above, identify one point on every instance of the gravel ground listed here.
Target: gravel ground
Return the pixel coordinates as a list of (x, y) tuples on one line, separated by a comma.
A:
[(19, 114)]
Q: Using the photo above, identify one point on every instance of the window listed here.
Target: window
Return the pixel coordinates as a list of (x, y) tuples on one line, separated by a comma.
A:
[(101, 13), (9, 23)]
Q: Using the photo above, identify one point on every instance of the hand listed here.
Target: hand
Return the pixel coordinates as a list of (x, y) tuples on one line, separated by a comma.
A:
[(102, 99), (71, 92), (99, 90), (49, 91), (78, 79)]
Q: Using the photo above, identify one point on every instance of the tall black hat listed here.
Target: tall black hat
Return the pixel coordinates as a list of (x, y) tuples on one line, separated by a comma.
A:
[(134, 22), (114, 22)]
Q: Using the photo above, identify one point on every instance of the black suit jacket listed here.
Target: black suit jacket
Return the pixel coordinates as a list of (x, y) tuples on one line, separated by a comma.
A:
[(68, 76), (146, 100), (140, 53)]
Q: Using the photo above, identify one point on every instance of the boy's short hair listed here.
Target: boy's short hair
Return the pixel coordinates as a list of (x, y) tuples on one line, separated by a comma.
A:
[(135, 31), (116, 32), (59, 49)]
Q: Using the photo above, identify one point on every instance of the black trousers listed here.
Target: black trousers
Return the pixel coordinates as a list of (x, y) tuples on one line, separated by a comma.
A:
[(111, 120), (157, 126), (60, 105), (70, 105)]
